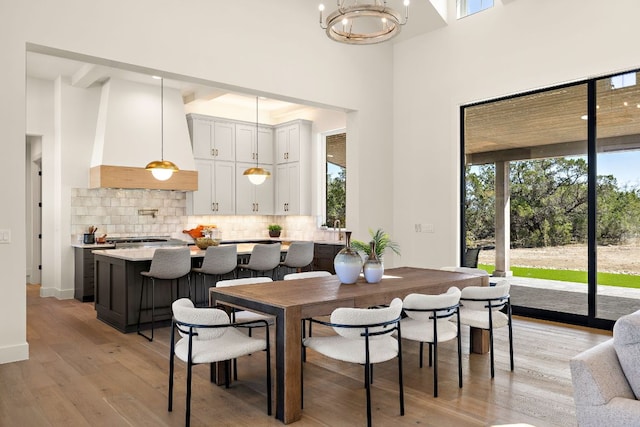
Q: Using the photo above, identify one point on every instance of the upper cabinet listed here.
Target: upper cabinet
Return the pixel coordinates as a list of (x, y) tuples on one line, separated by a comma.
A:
[(216, 189), (293, 172), (248, 150), (288, 142), (212, 138)]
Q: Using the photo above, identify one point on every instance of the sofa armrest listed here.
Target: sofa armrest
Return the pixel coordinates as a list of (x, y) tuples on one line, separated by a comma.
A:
[(597, 376)]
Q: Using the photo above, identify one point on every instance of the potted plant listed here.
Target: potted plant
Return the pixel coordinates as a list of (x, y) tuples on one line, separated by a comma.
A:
[(382, 241), (373, 267), (274, 230)]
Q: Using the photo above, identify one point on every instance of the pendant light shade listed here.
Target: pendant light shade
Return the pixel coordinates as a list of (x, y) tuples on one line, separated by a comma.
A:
[(257, 175), (162, 169)]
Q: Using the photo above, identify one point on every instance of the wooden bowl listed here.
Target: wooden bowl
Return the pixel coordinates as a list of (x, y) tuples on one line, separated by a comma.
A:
[(204, 242)]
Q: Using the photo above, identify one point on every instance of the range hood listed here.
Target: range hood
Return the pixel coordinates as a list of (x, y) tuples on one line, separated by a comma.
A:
[(128, 136)]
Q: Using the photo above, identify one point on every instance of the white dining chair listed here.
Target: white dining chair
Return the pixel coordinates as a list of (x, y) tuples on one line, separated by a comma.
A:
[(481, 308), (364, 336), (428, 322), (208, 336)]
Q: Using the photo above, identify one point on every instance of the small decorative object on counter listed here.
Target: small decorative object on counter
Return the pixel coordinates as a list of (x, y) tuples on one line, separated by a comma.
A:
[(90, 237), (348, 263), (204, 242), (274, 230), (373, 267), (199, 230)]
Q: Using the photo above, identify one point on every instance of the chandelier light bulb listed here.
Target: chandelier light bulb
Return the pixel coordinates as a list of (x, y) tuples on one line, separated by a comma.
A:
[(162, 174)]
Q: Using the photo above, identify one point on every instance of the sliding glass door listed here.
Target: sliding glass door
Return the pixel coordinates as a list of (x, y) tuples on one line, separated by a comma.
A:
[(552, 195)]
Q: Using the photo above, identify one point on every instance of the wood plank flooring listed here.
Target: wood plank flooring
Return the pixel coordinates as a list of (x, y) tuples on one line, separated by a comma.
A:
[(82, 372)]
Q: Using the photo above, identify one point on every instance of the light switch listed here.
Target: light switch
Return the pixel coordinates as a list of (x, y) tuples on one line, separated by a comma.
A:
[(5, 236)]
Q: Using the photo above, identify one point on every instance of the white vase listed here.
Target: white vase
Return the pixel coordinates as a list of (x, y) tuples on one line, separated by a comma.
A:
[(373, 267), (348, 264)]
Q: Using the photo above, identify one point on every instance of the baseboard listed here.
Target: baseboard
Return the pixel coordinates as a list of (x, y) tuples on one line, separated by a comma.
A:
[(57, 293), (14, 353)]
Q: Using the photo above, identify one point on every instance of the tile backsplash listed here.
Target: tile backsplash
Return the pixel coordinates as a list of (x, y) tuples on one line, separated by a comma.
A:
[(123, 212)]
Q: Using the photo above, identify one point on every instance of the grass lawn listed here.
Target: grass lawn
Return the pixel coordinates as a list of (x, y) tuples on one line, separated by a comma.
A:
[(608, 279)]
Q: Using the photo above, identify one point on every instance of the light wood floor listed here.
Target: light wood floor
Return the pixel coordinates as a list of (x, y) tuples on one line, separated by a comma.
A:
[(82, 372)]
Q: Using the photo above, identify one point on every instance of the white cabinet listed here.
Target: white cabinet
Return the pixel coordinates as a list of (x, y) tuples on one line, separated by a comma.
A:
[(253, 199), (212, 138), (293, 170), (248, 150), (216, 189), (288, 141)]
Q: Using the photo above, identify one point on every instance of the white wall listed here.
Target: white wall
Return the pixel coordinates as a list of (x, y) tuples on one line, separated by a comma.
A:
[(517, 46), (279, 51)]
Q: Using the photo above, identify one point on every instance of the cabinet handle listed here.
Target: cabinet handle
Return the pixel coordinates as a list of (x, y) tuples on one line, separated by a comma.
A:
[(257, 207), (216, 152), (213, 207), (213, 152)]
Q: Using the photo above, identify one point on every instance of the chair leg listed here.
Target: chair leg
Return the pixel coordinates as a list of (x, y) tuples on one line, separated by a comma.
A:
[(491, 342), (367, 386), (459, 358), (435, 368), (430, 355), (510, 335), (421, 352), (269, 373), (171, 368), (187, 420), (153, 287)]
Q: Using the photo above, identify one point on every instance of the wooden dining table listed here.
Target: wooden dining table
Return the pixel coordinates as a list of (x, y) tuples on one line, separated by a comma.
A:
[(291, 301)]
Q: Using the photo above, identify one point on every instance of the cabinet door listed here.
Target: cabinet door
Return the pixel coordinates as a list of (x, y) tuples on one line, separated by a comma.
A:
[(265, 146), (293, 204), (245, 191), (245, 143), (202, 139), (224, 141), (203, 197), (282, 189), (282, 144), (293, 136), (225, 188), (264, 197)]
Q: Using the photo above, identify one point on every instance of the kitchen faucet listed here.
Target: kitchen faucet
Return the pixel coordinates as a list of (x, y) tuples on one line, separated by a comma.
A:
[(336, 224)]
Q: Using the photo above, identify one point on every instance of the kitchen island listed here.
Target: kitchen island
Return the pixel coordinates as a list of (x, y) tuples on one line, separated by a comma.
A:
[(118, 283)]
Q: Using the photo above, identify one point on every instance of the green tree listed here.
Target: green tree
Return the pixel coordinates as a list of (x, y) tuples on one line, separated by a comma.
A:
[(337, 197), (480, 204)]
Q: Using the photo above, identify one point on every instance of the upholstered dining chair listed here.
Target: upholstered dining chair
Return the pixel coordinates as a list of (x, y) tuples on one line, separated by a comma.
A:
[(265, 257), (166, 264), (481, 308), (428, 322), (208, 336), (218, 261), (299, 255), (364, 336)]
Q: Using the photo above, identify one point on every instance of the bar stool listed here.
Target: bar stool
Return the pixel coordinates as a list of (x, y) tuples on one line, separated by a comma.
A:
[(299, 255), (264, 257), (166, 264), (218, 261)]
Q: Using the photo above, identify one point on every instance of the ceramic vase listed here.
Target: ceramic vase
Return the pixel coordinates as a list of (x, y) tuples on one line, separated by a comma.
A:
[(373, 266), (348, 263)]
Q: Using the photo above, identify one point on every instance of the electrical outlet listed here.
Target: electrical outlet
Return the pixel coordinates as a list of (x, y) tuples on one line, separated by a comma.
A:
[(418, 228), (427, 228)]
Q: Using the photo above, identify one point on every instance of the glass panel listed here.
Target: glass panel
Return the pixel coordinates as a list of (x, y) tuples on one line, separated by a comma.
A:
[(469, 7), (336, 179), (535, 147), (618, 196)]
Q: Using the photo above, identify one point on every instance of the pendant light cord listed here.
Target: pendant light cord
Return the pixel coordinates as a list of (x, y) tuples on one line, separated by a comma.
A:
[(257, 133), (162, 119)]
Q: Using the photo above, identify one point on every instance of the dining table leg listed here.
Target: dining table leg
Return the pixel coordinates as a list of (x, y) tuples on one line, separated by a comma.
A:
[(288, 365)]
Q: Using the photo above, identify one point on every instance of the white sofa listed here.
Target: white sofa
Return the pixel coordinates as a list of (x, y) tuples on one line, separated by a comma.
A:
[(606, 378)]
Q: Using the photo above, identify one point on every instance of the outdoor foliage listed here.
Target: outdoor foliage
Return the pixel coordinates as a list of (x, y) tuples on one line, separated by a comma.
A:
[(336, 197), (549, 204)]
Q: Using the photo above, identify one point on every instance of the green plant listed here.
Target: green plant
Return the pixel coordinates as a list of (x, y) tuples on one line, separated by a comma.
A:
[(382, 240), (274, 227)]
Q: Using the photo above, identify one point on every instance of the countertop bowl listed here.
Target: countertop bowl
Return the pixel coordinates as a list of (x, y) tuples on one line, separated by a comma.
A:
[(205, 242)]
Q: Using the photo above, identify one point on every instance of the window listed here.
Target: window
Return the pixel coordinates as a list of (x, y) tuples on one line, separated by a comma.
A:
[(469, 7), (336, 179), (623, 80)]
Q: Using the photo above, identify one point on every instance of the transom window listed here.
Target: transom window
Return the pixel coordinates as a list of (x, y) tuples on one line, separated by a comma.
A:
[(469, 7)]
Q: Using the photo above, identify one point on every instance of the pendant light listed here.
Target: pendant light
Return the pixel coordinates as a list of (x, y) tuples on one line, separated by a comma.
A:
[(162, 169), (257, 175)]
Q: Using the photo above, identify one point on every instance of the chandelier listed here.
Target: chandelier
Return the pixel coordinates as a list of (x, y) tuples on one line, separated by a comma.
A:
[(363, 22)]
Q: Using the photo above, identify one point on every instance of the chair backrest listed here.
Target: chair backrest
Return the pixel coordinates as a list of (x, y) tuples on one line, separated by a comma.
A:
[(170, 263), (483, 294), (220, 259), (245, 281), (299, 254), (471, 257), (265, 256), (444, 304), (306, 275), (185, 312), (364, 317)]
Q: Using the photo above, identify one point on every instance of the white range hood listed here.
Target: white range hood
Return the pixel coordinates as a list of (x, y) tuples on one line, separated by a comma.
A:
[(128, 136)]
